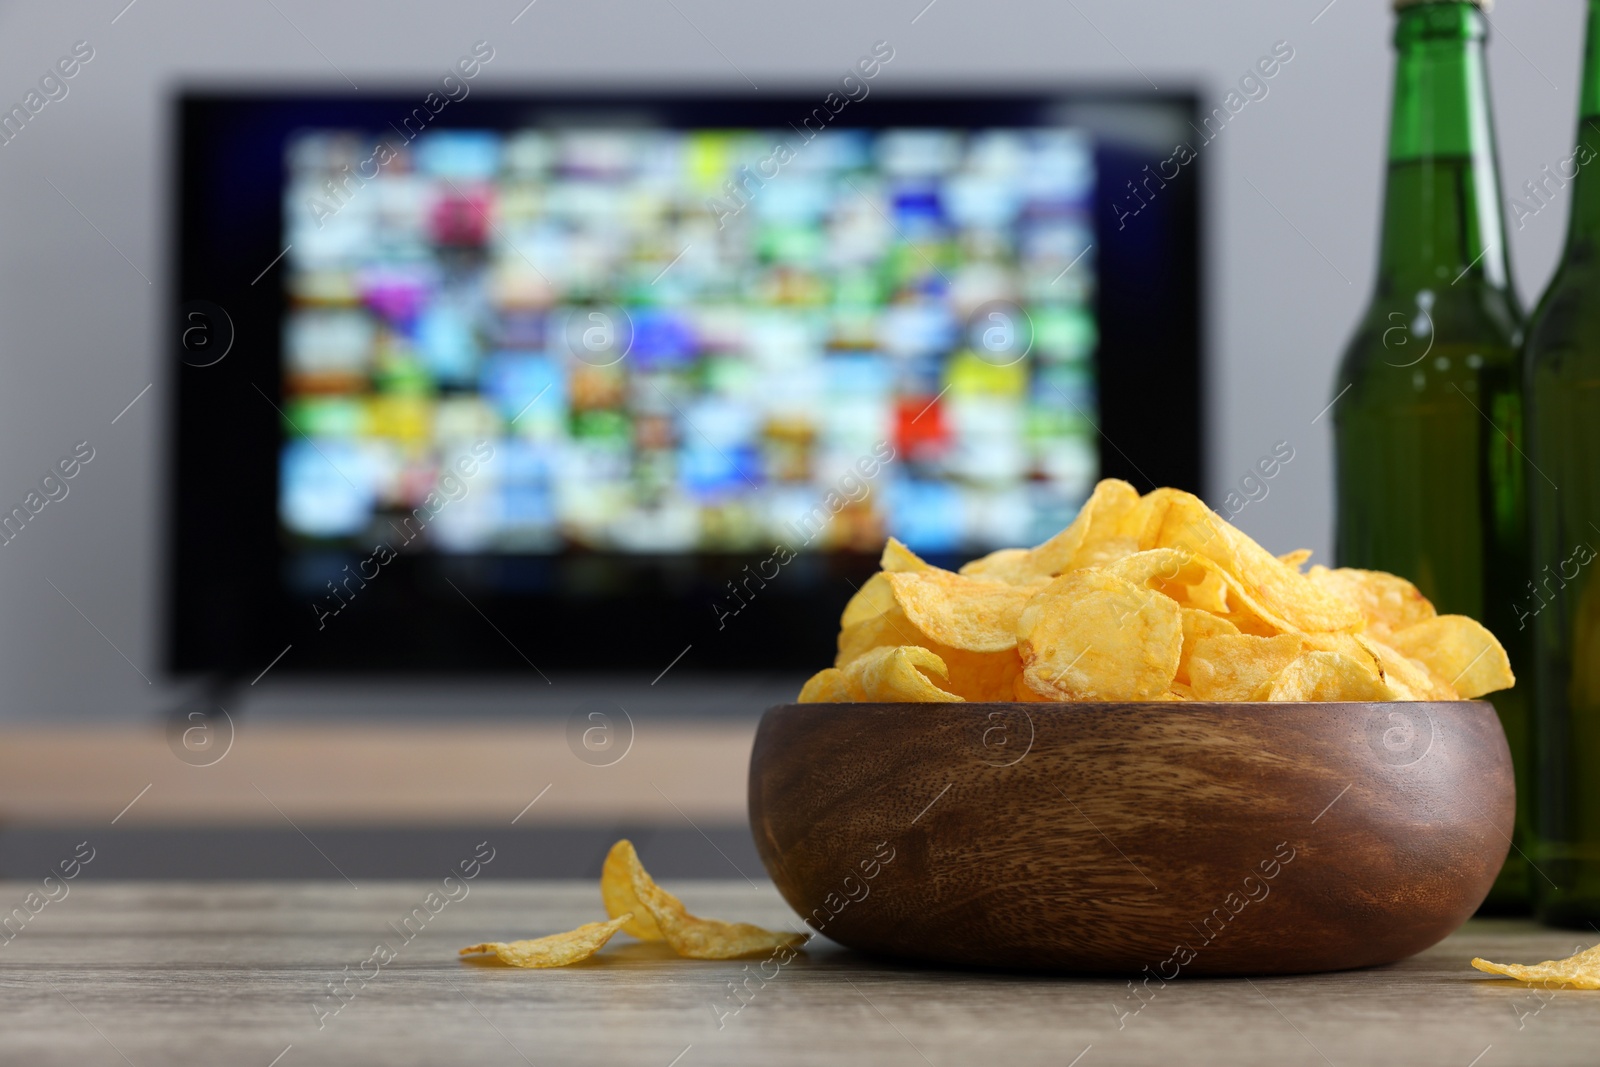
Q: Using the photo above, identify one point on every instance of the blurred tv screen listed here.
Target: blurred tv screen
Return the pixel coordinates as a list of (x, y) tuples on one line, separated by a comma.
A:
[(652, 375), (589, 359)]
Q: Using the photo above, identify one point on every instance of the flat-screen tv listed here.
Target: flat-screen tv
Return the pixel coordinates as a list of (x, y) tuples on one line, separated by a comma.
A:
[(552, 383)]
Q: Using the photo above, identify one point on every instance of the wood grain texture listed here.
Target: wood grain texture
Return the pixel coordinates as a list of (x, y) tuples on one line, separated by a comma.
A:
[(1142, 839), (183, 975)]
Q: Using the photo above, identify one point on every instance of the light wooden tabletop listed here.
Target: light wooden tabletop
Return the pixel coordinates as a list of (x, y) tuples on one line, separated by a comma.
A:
[(175, 973)]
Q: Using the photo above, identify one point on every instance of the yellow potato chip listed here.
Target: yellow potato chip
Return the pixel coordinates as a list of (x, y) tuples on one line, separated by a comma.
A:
[(1404, 677), (1239, 666), (1171, 570), (890, 628), (902, 673), (969, 613), (1197, 582), (1099, 521), (873, 599), (890, 674), (1020, 692), (1250, 623), (1106, 550), (642, 908), (1210, 593), (557, 950), (975, 676), (1347, 644), (1387, 602), (616, 892), (897, 557), (1198, 624), (694, 937), (1324, 676), (1270, 588), (1149, 598), (828, 686), (1141, 523), (1093, 636), (1015, 565), (1575, 972), (1457, 651), (1192, 580), (981, 676)]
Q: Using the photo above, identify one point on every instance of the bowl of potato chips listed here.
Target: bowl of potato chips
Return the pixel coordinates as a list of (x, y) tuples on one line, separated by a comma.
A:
[(1145, 746)]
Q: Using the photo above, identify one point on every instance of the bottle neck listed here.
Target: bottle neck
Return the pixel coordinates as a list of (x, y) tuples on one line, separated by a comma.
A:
[(1581, 169), (1442, 223)]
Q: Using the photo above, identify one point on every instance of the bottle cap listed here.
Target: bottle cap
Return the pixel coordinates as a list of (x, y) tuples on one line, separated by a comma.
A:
[(1482, 5)]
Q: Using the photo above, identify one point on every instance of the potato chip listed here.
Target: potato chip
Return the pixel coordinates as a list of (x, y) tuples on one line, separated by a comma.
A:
[(890, 628), (1093, 636), (1404, 677), (1324, 676), (900, 559), (890, 674), (828, 686), (1197, 582), (1015, 565), (1198, 624), (1105, 550), (981, 676), (874, 598), (616, 892), (689, 935), (1023, 694), (1171, 570), (1149, 598), (1575, 972), (974, 614), (1346, 644), (1271, 589), (1098, 522), (645, 910), (1239, 666), (1387, 602), (976, 676), (1210, 593), (557, 950), (1187, 578), (901, 673), (1142, 522), (1457, 651)]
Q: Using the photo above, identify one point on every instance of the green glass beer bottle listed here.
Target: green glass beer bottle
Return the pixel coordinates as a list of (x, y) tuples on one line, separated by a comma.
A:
[(1560, 602), (1427, 405)]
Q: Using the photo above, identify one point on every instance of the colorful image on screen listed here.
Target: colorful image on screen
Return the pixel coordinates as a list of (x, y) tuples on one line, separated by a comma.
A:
[(681, 341)]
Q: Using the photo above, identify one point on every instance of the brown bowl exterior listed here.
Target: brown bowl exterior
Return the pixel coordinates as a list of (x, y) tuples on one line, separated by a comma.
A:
[(1145, 839)]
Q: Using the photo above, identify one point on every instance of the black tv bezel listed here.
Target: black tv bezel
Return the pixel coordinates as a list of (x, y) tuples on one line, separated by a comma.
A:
[(227, 614)]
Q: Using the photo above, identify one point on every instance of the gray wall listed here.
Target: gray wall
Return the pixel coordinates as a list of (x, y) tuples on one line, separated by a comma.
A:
[(1294, 186)]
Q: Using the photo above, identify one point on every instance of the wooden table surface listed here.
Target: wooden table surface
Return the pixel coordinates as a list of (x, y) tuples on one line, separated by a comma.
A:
[(174, 973)]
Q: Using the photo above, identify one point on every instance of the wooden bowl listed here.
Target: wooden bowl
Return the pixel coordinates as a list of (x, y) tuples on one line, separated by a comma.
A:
[(1152, 839)]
